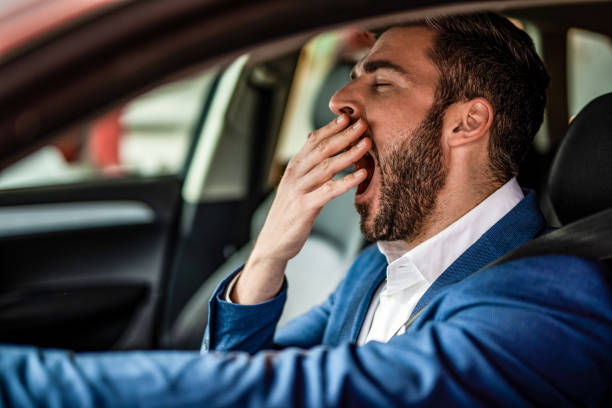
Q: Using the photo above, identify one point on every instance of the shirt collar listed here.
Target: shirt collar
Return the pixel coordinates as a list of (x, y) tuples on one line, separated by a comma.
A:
[(430, 258)]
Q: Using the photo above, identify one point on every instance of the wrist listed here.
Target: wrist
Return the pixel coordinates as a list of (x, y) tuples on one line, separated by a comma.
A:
[(260, 280), (267, 263)]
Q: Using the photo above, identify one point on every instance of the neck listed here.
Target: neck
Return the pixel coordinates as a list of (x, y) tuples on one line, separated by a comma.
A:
[(453, 202)]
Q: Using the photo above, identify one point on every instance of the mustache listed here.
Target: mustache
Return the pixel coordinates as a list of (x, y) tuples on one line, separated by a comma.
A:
[(368, 133)]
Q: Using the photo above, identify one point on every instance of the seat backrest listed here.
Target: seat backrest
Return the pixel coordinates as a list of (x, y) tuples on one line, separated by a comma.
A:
[(580, 181), (580, 190)]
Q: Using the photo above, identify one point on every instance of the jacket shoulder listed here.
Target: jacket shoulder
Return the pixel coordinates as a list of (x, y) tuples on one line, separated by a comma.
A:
[(553, 283)]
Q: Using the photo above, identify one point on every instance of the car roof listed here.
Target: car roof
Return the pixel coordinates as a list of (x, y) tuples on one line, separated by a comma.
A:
[(24, 21), (81, 66)]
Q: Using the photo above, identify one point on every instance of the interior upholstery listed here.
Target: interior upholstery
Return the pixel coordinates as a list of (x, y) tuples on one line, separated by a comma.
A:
[(580, 182)]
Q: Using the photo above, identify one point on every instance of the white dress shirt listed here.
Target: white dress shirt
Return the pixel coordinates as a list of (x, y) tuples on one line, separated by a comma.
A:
[(411, 273)]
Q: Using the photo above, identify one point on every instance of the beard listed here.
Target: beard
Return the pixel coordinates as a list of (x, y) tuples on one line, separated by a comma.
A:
[(412, 174)]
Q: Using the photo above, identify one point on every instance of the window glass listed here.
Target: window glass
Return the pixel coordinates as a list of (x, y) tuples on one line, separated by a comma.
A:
[(541, 140), (149, 136), (589, 67), (316, 59), (323, 68)]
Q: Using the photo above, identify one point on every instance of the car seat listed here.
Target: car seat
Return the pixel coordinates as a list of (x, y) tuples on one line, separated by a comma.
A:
[(580, 189)]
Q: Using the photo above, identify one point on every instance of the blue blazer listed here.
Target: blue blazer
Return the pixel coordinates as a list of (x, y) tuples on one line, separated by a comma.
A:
[(536, 331)]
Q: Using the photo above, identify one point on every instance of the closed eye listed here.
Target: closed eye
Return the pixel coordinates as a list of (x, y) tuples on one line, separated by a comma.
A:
[(381, 84)]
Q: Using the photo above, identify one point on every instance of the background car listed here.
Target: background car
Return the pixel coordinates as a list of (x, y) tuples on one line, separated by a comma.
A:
[(140, 142)]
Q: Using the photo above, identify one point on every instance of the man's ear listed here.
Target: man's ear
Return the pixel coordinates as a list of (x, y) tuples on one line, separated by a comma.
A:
[(468, 121)]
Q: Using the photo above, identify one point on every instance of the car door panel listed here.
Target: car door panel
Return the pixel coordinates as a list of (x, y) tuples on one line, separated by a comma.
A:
[(100, 270), (79, 318)]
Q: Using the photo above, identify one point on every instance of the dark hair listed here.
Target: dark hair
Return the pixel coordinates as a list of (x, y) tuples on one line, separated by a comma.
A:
[(485, 55)]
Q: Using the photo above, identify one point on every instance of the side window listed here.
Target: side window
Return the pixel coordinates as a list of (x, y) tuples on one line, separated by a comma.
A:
[(541, 142), (589, 57), (589, 64), (323, 68), (316, 60), (148, 136)]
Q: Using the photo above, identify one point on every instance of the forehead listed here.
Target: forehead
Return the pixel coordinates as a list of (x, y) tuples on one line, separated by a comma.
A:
[(407, 47)]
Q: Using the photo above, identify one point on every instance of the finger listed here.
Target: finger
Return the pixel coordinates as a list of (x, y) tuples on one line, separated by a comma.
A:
[(333, 188), (333, 127), (328, 130), (325, 170), (332, 145), (317, 136)]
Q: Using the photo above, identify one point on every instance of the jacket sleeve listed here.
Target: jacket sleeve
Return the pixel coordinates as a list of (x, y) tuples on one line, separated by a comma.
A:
[(251, 328)]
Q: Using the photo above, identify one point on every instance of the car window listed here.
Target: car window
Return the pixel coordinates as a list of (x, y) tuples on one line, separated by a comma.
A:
[(323, 68), (589, 57), (316, 59), (148, 136)]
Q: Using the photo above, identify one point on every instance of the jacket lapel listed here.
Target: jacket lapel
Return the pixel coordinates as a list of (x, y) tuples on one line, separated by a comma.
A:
[(364, 305), (523, 223), (371, 271)]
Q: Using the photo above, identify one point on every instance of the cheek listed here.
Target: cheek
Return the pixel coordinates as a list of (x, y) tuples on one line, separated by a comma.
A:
[(393, 123), (405, 111), (391, 138)]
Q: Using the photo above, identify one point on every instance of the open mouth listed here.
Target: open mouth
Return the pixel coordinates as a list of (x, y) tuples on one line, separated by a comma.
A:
[(366, 162)]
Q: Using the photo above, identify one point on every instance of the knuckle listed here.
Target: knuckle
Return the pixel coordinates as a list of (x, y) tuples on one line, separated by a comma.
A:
[(312, 136), (328, 187), (348, 156), (326, 165), (323, 147), (344, 159), (290, 169), (300, 186), (312, 203), (343, 182)]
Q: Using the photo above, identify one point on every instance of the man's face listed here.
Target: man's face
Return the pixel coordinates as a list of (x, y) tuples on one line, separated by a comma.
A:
[(393, 89)]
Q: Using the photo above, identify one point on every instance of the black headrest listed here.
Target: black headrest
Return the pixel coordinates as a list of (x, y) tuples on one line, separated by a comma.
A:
[(580, 181)]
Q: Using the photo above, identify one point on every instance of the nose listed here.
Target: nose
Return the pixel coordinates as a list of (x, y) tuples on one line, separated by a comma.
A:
[(345, 101)]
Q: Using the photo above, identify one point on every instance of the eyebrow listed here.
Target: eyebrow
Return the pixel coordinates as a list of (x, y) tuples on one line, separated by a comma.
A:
[(374, 65)]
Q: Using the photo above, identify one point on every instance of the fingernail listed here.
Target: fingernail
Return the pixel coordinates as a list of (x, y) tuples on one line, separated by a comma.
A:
[(356, 124), (340, 119), (361, 143)]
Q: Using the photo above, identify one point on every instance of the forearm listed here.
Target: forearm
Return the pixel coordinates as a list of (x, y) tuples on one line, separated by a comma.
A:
[(343, 376), (412, 372), (260, 280)]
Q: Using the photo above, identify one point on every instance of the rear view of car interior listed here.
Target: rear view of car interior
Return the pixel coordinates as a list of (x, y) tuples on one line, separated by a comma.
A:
[(117, 224)]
